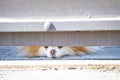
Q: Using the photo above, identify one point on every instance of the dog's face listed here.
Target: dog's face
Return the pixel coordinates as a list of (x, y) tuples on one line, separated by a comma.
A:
[(54, 51), (58, 51)]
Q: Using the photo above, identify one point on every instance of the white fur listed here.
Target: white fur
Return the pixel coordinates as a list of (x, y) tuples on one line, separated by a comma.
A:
[(94, 49), (42, 51), (59, 52)]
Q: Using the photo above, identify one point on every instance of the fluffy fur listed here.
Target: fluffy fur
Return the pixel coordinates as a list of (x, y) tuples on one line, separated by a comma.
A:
[(55, 51)]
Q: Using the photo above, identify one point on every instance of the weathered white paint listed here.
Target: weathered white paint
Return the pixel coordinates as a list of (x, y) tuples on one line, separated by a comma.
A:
[(59, 19), (59, 8), (93, 38), (61, 26), (66, 15)]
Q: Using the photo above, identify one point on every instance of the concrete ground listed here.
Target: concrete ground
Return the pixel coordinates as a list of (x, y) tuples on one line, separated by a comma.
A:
[(59, 75), (60, 70)]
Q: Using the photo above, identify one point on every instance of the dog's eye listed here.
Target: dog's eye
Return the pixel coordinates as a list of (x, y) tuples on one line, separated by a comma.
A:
[(46, 47), (60, 46)]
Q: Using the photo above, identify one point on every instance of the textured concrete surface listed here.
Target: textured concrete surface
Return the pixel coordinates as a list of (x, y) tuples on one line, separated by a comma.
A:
[(39, 70), (64, 75)]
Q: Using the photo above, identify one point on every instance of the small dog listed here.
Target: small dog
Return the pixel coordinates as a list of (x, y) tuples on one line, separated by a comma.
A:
[(55, 51)]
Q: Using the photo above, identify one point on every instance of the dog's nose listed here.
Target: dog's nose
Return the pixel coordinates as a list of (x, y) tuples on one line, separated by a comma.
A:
[(53, 52)]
